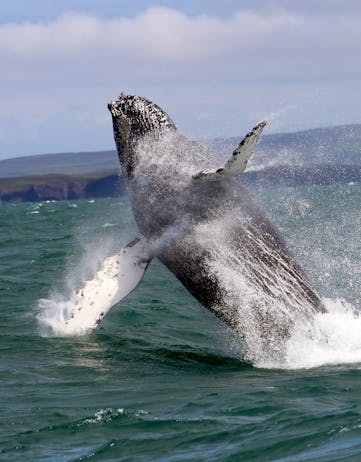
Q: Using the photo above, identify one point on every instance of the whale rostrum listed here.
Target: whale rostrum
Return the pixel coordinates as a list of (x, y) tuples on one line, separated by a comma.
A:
[(204, 226)]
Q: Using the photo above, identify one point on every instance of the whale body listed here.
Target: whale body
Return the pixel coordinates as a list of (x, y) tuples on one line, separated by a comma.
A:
[(204, 226)]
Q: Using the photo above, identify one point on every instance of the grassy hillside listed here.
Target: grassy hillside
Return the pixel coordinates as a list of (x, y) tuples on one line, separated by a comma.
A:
[(71, 163)]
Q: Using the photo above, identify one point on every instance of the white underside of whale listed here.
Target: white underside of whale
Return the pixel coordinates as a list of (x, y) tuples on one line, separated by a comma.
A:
[(118, 276)]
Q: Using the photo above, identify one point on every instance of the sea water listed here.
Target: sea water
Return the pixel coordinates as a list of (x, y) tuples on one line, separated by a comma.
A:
[(162, 379)]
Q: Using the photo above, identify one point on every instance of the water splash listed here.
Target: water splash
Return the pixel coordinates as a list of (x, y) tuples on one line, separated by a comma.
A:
[(97, 283), (94, 243), (83, 308), (331, 338), (53, 312)]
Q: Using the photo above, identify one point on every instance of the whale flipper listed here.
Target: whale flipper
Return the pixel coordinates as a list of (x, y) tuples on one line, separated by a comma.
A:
[(238, 162), (118, 276)]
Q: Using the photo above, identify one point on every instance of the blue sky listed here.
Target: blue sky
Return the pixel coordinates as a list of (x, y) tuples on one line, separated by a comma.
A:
[(217, 67)]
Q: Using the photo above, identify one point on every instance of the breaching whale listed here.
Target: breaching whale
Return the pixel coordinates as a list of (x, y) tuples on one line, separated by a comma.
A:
[(198, 220)]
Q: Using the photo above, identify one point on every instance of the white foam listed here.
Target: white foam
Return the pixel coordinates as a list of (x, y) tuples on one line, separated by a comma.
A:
[(53, 312), (56, 309), (332, 338)]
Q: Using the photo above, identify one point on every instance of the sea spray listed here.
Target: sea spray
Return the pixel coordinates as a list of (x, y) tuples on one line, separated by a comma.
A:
[(90, 298), (334, 338), (329, 339), (95, 241)]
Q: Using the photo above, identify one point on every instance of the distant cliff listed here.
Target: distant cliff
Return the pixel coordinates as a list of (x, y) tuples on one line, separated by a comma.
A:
[(59, 187)]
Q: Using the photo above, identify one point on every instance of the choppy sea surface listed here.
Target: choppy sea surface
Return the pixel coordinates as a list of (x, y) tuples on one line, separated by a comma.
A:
[(162, 379)]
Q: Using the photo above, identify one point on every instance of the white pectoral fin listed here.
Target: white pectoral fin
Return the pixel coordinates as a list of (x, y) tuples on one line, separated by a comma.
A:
[(238, 162), (118, 276)]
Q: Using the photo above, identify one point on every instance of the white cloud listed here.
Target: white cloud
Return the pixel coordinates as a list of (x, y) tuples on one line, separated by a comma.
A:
[(168, 38), (256, 60)]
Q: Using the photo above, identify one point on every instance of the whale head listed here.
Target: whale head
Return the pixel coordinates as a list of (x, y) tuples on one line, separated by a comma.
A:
[(133, 118)]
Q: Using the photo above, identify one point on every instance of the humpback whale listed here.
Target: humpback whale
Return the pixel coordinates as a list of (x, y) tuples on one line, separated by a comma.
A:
[(203, 225)]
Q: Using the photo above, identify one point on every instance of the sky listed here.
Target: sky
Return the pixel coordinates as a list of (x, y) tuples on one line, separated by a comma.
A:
[(217, 67)]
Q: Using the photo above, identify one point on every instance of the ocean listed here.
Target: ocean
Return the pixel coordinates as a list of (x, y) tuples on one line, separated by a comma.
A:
[(161, 379)]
